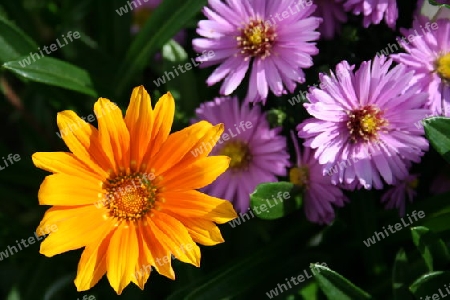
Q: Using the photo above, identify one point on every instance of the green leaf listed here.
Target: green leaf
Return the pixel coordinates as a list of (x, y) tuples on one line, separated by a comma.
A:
[(335, 286), (437, 130), (438, 222), (274, 200), (167, 19), (433, 2), (432, 248), (172, 51), (13, 42), (430, 284), (400, 277), (54, 72)]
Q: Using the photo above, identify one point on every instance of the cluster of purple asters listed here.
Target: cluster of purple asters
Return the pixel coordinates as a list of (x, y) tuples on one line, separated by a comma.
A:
[(363, 132)]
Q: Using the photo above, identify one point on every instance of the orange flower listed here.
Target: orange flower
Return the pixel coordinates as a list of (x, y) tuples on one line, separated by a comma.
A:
[(127, 192)]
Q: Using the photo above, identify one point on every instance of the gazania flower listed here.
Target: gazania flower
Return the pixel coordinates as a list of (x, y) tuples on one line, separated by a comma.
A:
[(332, 14), (319, 194), (258, 153), (374, 11), (126, 192), (364, 123), (428, 55), (397, 196), (275, 38)]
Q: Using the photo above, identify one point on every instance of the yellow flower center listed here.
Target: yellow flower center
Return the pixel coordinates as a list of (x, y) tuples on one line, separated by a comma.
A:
[(443, 67), (141, 16), (256, 39), (364, 124), (413, 183), (130, 197), (299, 176), (239, 153)]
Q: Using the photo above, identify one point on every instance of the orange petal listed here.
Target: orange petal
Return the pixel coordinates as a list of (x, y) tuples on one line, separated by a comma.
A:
[(122, 255), (160, 255), (113, 134), (64, 162), (202, 231), (163, 119), (196, 175), (139, 121), (145, 260), (76, 228), (83, 141), (62, 189), (177, 146), (92, 265), (175, 238), (193, 204)]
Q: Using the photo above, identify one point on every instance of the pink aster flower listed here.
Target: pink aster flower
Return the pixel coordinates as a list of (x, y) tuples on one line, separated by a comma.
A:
[(374, 11), (258, 154), (319, 194), (364, 122), (397, 196), (332, 14), (275, 38), (428, 55)]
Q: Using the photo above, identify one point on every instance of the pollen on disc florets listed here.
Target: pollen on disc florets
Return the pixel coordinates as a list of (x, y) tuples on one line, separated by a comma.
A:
[(240, 154), (130, 197), (442, 65), (256, 39)]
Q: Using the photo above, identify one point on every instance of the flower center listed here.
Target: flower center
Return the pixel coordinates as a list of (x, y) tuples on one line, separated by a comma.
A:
[(443, 67), (239, 153), (299, 176), (141, 16), (256, 39), (130, 197), (364, 124)]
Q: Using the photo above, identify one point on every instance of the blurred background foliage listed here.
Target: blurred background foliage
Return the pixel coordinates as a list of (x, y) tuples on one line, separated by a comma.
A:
[(108, 60)]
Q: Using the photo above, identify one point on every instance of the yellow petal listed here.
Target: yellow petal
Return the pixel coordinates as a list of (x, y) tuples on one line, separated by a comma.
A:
[(197, 175), (145, 260), (83, 141), (122, 255), (62, 189), (75, 229), (113, 134), (64, 162), (92, 265), (139, 121), (175, 238), (193, 204)]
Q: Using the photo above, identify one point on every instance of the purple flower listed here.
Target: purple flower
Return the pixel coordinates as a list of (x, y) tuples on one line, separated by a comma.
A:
[(332, 14), (274, 37), (374, 11), (258, 154), (428, 54), (363, 127), (319, 194), (396, 196)]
